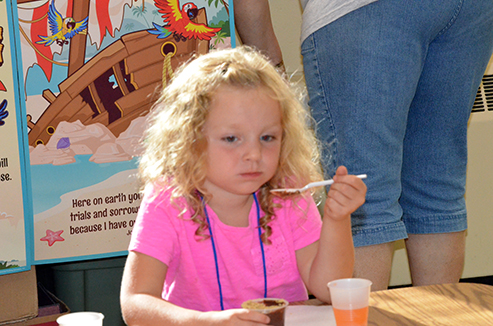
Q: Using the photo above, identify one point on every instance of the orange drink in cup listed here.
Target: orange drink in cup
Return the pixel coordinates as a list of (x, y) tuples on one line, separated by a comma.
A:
[(350, 299), (351, 317)]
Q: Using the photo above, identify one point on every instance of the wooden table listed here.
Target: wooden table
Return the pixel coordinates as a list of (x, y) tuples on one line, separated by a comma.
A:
[(448, 304), (460, 304)]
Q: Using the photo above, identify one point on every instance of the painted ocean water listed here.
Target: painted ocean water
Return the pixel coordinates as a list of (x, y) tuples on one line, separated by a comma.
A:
[(49, 182)]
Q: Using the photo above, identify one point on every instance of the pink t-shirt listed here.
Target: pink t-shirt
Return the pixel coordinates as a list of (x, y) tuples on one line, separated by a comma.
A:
[(191, 280)]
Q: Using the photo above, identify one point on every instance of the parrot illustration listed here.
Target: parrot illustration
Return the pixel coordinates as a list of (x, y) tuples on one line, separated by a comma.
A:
[(62, 29), (180, 21), (3, 112), (160, 31)]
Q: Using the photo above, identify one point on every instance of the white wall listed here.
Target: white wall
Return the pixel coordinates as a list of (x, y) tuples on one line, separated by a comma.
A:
[(286, 16)]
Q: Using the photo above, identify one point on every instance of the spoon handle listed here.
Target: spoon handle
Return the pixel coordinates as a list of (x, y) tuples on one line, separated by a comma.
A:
[(328, 182)]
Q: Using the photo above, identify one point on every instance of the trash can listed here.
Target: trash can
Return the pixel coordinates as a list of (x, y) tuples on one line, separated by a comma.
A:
[(92, 285)]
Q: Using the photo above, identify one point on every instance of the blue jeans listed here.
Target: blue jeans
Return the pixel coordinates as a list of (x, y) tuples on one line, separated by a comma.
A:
[(391, 86)]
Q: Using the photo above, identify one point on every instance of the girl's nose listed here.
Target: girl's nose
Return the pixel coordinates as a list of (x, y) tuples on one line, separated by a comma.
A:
[(253, 151)]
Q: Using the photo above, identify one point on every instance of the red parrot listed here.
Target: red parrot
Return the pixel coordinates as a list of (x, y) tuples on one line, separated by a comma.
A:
[(180, 21)]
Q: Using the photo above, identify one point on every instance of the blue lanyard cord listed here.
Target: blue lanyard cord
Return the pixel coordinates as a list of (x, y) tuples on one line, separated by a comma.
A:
[(215, 253), (215, 261), (261, 244)]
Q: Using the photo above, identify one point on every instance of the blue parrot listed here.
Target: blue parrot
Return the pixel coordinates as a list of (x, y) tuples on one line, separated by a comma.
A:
[(3, 112), (160, 31), (62, 29)]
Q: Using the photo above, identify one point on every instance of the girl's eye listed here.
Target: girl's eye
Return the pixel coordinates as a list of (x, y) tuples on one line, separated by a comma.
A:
[(267, 138), (230, 139)]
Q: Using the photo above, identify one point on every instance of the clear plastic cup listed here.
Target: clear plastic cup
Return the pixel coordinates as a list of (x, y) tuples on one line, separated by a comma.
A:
[(84, 318), (350, 300), (273, 307)]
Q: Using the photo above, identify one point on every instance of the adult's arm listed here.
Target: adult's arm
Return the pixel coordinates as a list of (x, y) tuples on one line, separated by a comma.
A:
[(254, 26)]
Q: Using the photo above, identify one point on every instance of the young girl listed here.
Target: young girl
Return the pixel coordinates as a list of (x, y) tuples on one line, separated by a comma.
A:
[(210, 234)]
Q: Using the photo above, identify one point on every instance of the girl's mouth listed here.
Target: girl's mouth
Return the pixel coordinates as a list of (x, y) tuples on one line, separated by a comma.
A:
[(251, 174)]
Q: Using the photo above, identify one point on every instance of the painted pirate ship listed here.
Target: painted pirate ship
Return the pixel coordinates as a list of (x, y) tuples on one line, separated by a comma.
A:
[(117, 85)]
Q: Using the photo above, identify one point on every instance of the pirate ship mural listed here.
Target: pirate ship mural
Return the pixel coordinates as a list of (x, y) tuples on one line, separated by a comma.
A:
[(115, 85), (92, 70)]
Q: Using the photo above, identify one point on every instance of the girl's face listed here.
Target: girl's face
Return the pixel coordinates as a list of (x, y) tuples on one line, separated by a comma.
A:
[(244, 133)]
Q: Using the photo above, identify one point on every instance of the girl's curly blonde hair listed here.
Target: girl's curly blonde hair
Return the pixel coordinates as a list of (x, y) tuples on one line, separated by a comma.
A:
[(175, 147)]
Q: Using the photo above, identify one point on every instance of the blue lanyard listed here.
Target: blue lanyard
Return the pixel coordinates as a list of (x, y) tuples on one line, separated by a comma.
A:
[(215, 254)]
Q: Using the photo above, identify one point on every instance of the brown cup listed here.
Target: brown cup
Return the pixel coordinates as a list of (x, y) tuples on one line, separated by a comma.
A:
[(273, 307)]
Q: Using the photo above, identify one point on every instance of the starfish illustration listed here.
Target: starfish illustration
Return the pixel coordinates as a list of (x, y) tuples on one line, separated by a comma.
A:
[(52, 237)]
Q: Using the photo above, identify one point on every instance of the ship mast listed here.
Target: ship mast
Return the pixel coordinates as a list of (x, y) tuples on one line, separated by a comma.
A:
[(77, 51)]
